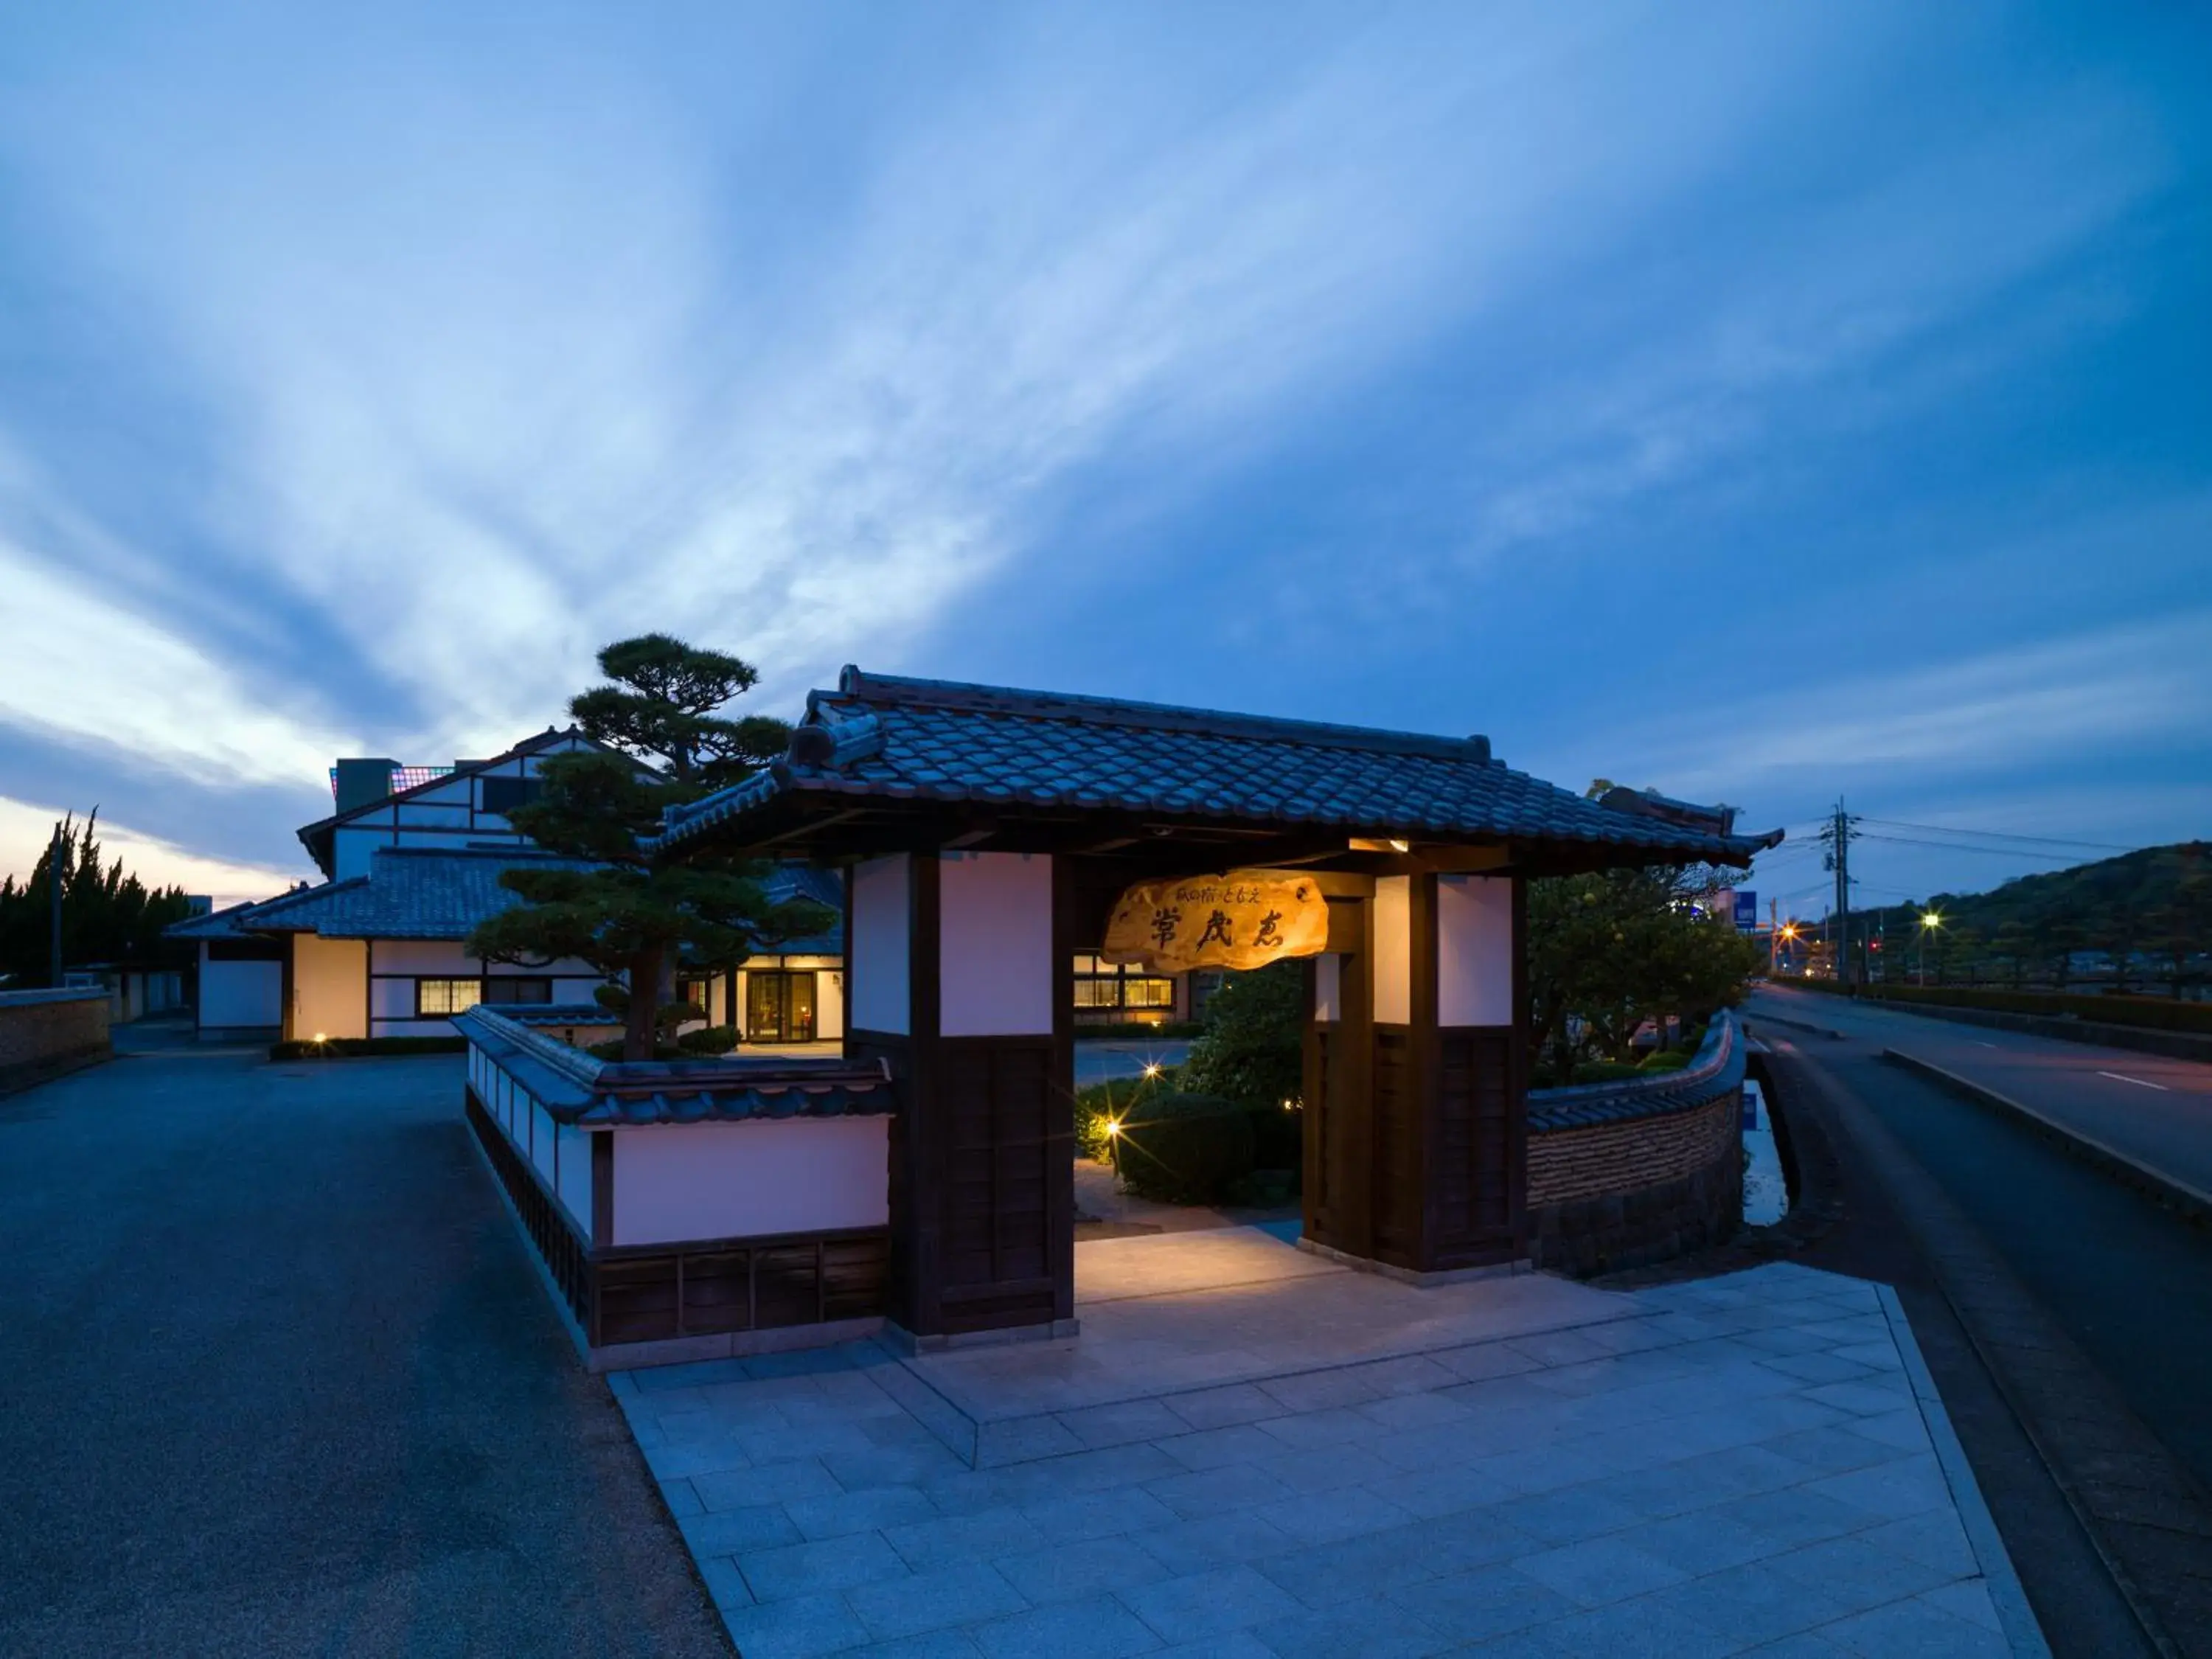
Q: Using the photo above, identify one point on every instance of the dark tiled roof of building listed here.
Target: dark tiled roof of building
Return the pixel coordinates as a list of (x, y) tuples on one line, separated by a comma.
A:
[(1716, 1069), (576, 1088), (908, 739), (825, 888), (408, 893), (217, 924)]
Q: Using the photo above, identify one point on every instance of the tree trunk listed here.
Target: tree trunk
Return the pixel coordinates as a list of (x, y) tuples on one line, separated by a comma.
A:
[(640, 1030)]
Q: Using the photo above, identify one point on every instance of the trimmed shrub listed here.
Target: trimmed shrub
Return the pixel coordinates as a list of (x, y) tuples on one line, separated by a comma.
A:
[(1668, 1060), (1253, 1046), (1173, 1030), (612, 1049), (708, 1039), (368, 1048), (1097, 1103), (1182, 1149)]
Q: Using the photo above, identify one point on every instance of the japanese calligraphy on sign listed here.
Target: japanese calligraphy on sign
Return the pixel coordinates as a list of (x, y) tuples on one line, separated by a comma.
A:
[(1245, 918)]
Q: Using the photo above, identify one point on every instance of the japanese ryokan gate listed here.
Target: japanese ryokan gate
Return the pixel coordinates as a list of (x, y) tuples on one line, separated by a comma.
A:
[(989, 834)]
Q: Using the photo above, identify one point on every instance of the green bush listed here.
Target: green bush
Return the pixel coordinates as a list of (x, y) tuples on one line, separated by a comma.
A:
[(1667, 1059), (1279, 1139), (1182, 1148), (1174, 1031), (368, 1047), (1253, 1048), (1097, 1104), (708, 1039)]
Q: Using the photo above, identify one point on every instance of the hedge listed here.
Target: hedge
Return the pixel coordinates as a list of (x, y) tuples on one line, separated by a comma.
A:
[(368, 1047), (1184, 1149), (1172, 1031)]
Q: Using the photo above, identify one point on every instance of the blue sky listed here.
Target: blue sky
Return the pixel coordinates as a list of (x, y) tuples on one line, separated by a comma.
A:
[(1762, 403)]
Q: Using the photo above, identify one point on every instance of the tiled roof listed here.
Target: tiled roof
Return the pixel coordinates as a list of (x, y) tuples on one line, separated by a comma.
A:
[(1717, 1068), (408, 893), (908, 739), (217, 924), (576, 1088), (825, 888)]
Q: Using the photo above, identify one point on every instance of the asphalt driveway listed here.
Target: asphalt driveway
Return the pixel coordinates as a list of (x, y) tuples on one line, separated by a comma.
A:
[(276, 1378)]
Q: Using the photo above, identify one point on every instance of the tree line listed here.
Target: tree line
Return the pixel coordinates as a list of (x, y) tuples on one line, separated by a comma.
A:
[(108, 915)]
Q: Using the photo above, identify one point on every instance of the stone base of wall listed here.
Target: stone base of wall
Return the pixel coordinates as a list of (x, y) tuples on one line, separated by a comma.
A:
[(45, 1033), (1587, 1236)]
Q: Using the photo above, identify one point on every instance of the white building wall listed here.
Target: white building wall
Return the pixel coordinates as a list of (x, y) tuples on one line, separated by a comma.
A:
[(829, 1000), (1390, 950), (329, 987), (994, 945), (1475, 951), (240, 994), (674, 1183), (877, 948), (572, 1186)]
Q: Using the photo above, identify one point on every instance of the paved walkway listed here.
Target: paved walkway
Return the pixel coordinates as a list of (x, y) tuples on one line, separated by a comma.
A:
[(278, 1379), (1519, 1466)]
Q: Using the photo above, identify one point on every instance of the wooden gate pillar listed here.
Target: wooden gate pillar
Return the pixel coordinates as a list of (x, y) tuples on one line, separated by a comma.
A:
[(957, 973), (1414, 1076)]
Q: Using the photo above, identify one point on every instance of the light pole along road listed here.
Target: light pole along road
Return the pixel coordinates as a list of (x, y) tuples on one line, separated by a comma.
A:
[(2067, 1315)]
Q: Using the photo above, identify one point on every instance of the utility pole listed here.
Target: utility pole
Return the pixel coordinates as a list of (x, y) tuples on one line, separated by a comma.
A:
[(54, 909), (1838, 835), (1773, 939)]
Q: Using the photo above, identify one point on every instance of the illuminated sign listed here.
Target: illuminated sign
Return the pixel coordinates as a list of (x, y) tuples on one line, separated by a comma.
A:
[(1245, 918)]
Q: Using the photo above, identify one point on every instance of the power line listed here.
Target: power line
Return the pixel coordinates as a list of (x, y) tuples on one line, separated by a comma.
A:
[(2001, 834), (1963, 846)]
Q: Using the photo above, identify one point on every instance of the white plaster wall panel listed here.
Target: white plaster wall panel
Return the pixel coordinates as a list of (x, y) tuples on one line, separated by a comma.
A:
[(240, 992), (1392, 946), (830, 1004), (704, 1180), (1328, 987), (542, 1141), (330, 986), (880, 941), (352, 849), (1475, 951), (573, 1185), (390, 1000), (433, 815), (430, 957), (994, 954)]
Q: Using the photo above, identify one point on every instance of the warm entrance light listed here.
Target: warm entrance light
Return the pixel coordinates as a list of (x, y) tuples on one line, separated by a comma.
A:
[(319, 1037), (1113, 1125), (1152, 1068)]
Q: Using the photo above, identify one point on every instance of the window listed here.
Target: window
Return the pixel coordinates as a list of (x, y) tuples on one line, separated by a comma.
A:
[(697, 993), (516, 987), (503, 795), (779, 1005), (1103, 990), (437, 998)]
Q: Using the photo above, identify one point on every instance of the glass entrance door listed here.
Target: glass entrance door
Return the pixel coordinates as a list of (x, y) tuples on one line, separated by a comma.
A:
[(779, 1005)]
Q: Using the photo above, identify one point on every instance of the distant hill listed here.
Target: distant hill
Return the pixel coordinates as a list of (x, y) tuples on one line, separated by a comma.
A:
[(2148, 913)]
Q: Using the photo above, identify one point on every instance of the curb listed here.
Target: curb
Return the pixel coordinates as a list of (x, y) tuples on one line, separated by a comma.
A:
[(2023, 1634), (1752, 1019), (2177, 1196)]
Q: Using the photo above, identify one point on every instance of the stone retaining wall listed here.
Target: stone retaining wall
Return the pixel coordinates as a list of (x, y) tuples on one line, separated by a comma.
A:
[(1625, 1175), (47, 1031)]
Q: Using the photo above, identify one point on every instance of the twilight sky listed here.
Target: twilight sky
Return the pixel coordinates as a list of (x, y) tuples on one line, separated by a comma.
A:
[(1763, 402)]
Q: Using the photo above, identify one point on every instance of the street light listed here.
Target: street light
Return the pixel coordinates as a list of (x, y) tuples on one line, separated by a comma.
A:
[(1930, 922)]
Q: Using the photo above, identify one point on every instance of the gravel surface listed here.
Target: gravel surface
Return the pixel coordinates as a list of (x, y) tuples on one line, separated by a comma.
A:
[(279, 1380)]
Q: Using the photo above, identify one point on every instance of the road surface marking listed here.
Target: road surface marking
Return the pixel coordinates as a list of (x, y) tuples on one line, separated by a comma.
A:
[(2121, 1077), (1978, 1043)]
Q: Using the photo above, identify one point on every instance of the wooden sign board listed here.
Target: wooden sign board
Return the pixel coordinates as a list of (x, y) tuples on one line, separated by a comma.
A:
[(1244, 919)]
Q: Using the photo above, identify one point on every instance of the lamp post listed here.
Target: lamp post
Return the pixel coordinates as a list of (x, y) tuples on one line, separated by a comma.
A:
[(1930, 922)]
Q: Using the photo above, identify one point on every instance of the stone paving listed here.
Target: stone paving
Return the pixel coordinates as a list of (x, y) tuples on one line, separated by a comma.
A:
[(1518, 1465)]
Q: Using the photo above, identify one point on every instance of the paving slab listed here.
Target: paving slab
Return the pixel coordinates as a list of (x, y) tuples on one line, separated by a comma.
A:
[(1291, 1458)]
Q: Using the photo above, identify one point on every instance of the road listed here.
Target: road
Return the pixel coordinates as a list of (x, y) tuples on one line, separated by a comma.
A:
[(2155, 1110), (2127, 1281), (279, 1380)]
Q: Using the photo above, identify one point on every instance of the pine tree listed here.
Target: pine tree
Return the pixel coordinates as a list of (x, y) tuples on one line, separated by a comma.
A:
[(629, 915)]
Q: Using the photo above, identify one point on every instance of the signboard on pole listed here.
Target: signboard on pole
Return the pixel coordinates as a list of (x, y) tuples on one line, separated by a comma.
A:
[(1747, 910)]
